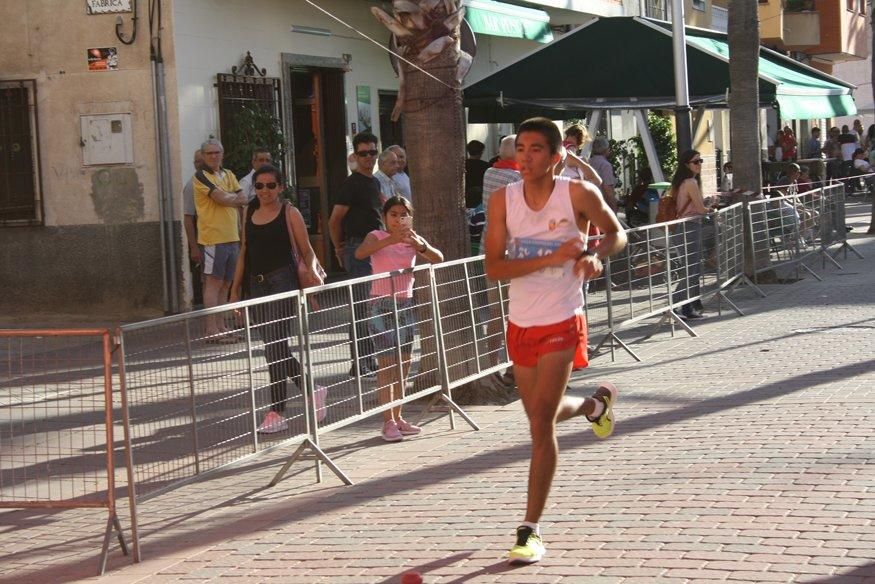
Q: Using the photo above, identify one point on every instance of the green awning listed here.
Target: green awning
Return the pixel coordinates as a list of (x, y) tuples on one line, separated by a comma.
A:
[(806, 107), (500, 19), (639, 74), (800, 94)]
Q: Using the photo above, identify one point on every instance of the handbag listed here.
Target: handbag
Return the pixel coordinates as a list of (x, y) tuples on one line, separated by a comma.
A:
[(306, 278)]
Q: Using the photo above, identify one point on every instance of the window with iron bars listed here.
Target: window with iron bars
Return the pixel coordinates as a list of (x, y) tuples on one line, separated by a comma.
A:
[(857, 6), (657, 9), (20, 201)]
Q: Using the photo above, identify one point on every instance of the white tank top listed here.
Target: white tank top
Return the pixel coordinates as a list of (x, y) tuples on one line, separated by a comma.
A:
[(551, 294)]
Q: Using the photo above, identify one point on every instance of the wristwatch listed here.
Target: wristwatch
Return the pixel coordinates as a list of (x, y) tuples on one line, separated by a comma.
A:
[(424, 248)]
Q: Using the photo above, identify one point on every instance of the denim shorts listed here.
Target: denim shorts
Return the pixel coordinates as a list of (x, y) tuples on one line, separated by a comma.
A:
[(381, 325), (220, 260)]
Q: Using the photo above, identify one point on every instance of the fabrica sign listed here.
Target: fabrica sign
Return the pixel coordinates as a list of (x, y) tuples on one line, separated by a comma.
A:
[(107, 6)]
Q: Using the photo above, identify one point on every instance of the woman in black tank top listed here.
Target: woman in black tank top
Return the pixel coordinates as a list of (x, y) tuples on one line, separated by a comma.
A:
[(267, 263)]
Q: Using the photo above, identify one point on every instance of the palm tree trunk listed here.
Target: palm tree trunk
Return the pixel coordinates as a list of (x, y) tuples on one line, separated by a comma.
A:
[(430, 100), (744, 97), (435, 139)]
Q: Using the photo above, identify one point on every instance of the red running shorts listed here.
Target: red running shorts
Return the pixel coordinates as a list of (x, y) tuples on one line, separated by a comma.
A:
[(526, 345)]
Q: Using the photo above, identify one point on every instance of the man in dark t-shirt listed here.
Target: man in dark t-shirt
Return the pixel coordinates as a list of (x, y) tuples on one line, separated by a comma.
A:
[(475, 168), (357, 212)]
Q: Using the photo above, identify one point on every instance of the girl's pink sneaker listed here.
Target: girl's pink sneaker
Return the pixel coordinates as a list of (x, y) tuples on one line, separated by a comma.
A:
[(390, 432), (407, 429)]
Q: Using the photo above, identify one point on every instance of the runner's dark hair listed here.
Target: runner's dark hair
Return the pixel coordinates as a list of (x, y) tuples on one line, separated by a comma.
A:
[(544, 127)]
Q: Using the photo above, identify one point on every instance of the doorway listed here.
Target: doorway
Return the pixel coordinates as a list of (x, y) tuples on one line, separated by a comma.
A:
[(391, 133), (318, 124)]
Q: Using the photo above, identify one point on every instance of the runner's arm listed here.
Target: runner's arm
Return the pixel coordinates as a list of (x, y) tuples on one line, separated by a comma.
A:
[(589, 204), (498, 266)]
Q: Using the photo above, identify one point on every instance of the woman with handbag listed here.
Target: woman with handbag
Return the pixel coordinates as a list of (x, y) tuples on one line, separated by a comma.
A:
[(276, 256), (686, 185)]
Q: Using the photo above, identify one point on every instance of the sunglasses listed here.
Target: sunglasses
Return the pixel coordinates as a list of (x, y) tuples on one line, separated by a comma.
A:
[(696, 161), (363, 153), (259, 185)]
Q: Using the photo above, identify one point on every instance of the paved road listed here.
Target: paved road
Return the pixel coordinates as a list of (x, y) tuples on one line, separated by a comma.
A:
[(742, 455)]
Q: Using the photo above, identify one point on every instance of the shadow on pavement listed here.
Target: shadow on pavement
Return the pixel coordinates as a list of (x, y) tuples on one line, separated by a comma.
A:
[(859, 575), (313, 504)]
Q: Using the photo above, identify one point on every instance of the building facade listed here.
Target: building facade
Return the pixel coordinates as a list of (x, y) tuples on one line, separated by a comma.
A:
[(91, 210), (79, 219)]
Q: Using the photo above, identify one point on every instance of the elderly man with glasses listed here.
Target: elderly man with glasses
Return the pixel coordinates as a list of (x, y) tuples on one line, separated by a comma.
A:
[(356, 213), (217, 198)]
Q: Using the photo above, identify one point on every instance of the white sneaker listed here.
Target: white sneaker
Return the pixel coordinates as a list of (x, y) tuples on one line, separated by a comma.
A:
[(273, 422)]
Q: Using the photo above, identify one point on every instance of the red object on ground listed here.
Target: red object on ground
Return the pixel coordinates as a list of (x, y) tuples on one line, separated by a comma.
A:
[(411, 578)]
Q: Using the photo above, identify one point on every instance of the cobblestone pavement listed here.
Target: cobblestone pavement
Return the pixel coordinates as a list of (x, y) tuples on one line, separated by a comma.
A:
[(741, 455)]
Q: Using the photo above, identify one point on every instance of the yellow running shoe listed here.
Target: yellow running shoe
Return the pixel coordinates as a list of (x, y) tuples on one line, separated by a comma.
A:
[(528, 549), (603, 425)]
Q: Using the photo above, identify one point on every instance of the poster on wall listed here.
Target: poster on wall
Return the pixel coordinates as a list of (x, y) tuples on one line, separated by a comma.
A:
[(103, 59), (363, 106)]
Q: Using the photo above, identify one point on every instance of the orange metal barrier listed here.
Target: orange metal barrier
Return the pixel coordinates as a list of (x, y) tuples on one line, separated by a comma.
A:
[(56, 432)]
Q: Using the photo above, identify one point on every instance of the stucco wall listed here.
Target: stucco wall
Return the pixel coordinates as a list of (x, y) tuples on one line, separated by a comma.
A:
[(91, 212), (210, 38)]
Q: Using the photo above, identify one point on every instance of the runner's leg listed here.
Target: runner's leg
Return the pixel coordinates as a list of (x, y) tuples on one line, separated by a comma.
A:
[(541, 389)]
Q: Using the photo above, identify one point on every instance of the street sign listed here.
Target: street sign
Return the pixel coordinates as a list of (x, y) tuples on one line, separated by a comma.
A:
[(107, 6)]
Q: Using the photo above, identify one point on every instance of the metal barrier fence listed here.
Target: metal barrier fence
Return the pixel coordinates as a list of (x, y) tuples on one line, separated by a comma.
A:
[(196, 386), (837, 202), (56, 424), (207, 389), (794, 228), (665, 267)]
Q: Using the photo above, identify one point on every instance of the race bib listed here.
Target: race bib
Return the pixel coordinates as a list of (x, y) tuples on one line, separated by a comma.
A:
[(522, 249)]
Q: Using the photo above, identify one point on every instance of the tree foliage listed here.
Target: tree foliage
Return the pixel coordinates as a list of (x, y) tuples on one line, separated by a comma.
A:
[(253, 127), (624, 152)]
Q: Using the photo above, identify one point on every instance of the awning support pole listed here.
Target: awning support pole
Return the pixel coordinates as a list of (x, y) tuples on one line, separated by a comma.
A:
[(649, 146), (682, 89)]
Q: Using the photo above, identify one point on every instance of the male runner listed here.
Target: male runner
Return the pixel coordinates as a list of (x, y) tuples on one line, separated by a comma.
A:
[(535, 239)]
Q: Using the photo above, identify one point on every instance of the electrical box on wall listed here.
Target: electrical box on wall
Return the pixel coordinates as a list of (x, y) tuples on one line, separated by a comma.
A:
[(107, 139)]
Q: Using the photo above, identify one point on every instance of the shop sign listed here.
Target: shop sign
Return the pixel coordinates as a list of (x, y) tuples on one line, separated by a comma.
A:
[(107, 6)]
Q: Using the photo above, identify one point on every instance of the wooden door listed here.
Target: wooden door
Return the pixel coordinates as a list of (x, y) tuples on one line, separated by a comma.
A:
[(318, 126)]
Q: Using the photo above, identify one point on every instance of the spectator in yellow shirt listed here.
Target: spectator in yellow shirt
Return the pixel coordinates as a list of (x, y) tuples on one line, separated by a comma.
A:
[(217, 198)]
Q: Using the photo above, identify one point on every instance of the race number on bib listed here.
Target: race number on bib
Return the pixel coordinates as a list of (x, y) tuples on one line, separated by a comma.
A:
[(522, 249)]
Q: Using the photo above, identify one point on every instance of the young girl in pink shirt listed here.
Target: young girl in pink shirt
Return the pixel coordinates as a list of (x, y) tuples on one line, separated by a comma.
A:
[(392, 250)]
